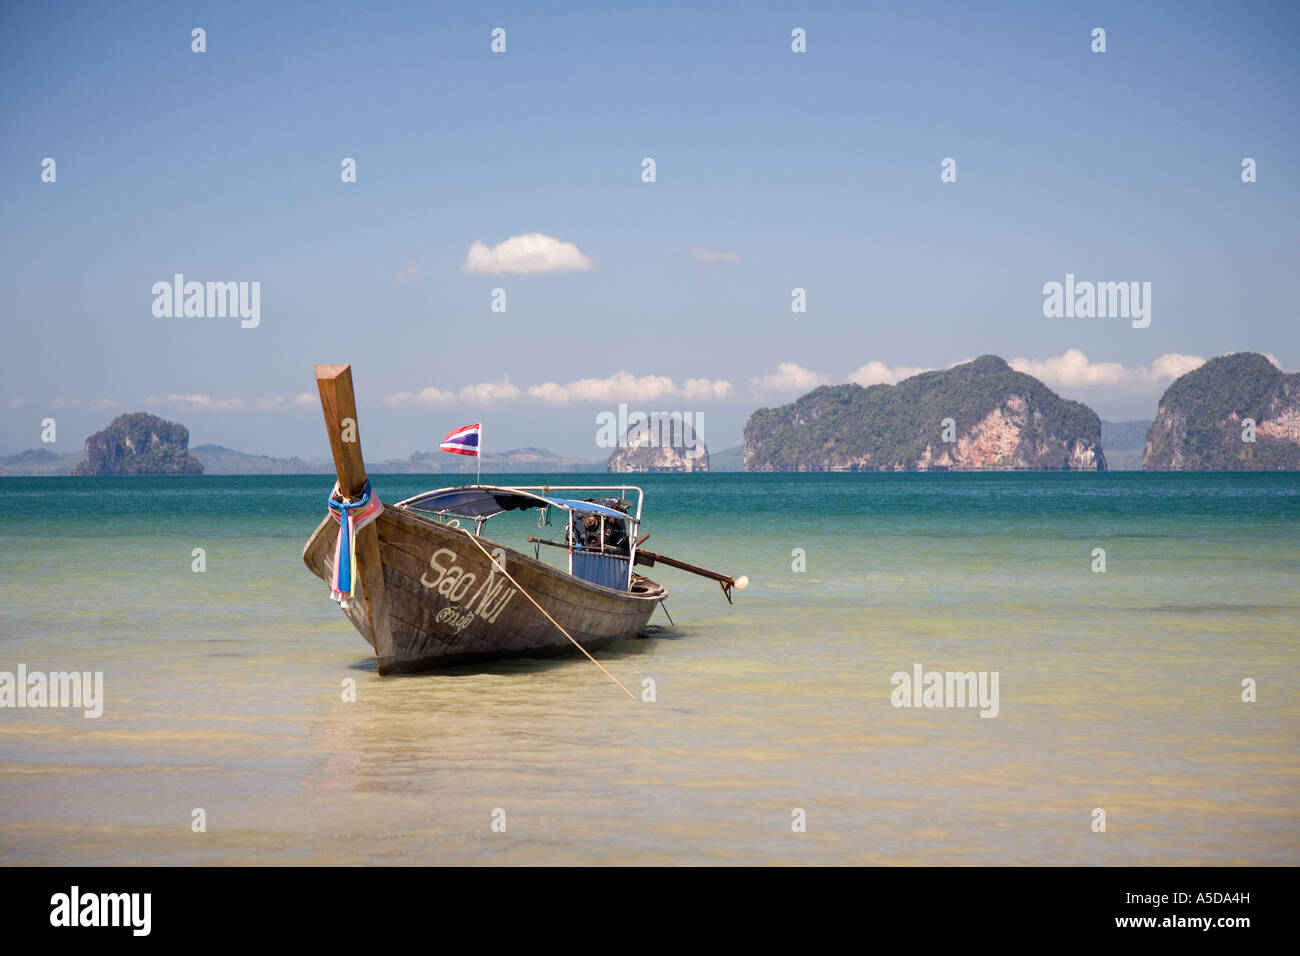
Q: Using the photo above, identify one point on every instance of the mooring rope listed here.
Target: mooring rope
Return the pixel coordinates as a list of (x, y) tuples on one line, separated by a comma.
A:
[(502, 566)]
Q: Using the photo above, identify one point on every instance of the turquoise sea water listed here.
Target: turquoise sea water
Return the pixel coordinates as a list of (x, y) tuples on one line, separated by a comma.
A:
[(1118, 691)]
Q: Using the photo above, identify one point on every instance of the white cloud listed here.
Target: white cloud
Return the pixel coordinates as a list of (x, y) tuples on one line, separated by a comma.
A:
[(1170, 366), (427, 396), (531, 252), (620, 387), (1073, 369), (787, 378), (484, 393), (407, 273), (85, 403), (199, 402), (704, 388), (878, 373), (712, 257)]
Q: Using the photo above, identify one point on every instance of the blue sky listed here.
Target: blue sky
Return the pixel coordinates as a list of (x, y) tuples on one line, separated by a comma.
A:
[(818, 170)]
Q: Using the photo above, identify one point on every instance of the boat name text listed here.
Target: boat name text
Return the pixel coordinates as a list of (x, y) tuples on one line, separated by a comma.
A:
[(453, 582)]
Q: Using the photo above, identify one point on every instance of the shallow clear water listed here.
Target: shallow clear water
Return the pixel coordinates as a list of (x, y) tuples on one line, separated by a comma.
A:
[(1118, 690)]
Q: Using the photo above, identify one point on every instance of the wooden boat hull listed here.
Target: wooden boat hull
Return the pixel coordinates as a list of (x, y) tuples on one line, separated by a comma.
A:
[(447, 604)]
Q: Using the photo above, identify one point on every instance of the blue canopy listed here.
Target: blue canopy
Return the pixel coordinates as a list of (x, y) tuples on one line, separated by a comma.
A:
[(569, 504), (484, 501)]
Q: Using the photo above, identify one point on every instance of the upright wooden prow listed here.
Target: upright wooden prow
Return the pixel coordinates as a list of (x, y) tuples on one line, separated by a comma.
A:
[(339, 403)]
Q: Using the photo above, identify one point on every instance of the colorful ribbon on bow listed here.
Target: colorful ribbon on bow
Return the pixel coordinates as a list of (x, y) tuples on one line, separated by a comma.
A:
[(358, 514)]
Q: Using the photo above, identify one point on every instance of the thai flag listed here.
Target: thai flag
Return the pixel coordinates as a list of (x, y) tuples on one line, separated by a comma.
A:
[(463, 440)]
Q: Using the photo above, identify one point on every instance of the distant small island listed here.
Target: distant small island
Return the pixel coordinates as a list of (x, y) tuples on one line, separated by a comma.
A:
[(38, 462), (139, 444), (667, 445), (1124, 443), (219, 460)]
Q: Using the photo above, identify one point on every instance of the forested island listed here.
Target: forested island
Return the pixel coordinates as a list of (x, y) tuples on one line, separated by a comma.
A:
[(981, 415), (1235, 413), (139, 444)]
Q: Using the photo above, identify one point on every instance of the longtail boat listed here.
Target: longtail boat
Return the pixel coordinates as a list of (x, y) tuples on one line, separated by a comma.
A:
[(426, 589)]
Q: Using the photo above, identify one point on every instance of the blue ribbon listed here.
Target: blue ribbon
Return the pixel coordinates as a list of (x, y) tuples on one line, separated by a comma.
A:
[(343, 573)]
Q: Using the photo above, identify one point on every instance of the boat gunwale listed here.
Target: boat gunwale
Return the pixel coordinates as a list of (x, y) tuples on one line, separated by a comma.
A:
[(657, 592), (529, 560)]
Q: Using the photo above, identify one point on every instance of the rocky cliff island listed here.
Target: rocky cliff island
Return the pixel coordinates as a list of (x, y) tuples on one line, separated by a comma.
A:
[(1237, 412), (667, 443), (979, 416), (139, 444)]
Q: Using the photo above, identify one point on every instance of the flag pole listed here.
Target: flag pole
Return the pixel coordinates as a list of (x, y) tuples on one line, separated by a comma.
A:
[(478, 459)]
